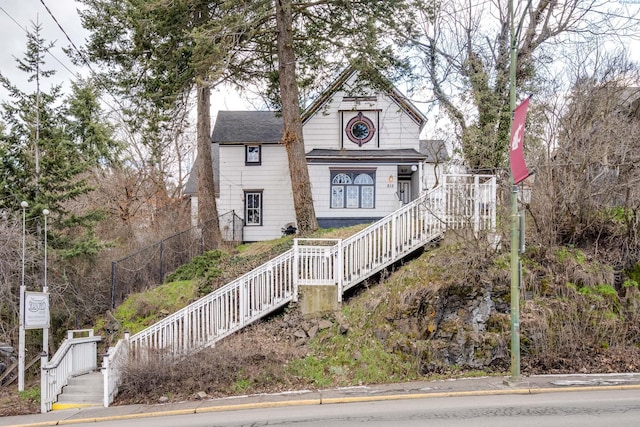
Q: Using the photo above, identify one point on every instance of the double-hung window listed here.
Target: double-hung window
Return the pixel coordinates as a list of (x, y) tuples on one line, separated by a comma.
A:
[(253, 155), (353, 189), (253, 207)]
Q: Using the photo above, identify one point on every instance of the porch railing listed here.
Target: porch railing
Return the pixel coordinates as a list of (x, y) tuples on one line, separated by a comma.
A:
[(460, 201)]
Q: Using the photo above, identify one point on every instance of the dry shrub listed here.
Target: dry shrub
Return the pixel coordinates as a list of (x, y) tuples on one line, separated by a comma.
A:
[(570, 334), (253, 360)]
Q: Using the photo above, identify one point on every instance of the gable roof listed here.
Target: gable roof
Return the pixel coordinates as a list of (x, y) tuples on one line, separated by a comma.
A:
[(402, 101), (265, 127)]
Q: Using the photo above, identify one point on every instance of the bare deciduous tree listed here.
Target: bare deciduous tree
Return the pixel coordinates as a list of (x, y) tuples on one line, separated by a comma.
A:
[(464, 50), (589, 186)]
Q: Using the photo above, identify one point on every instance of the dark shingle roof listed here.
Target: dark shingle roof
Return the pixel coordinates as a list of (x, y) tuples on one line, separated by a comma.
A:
[(247, 127)]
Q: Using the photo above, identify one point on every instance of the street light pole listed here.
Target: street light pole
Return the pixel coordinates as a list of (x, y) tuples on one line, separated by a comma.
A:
[(45, 288), (21, 338)]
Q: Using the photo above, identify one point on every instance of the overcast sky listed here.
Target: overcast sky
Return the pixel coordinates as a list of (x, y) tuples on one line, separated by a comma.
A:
[(16, 17)]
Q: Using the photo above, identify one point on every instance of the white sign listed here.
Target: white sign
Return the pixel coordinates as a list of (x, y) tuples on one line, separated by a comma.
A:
[(36, 310)]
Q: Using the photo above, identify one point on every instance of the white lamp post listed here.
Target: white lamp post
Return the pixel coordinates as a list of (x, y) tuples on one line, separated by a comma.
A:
[(45, 287), (21, 338)]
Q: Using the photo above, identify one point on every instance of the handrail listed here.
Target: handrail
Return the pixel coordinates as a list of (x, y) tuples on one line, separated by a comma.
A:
[(75, 356), (222, 312)]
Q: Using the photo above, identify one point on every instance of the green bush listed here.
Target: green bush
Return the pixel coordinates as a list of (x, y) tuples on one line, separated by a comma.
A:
[(204, 266)]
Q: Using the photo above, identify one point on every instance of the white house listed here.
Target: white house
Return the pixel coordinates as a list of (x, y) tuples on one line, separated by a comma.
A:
[(364, 154)]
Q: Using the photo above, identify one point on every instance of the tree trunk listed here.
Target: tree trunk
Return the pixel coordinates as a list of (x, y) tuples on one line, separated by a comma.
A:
[(207, 209), (292, 137)]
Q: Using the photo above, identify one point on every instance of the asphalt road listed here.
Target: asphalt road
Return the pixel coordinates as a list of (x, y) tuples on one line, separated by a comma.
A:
[(618, 408)]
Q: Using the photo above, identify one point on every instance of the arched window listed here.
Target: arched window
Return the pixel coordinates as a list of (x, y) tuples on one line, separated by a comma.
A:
[(353, 189), (341, 178), (363, 179)]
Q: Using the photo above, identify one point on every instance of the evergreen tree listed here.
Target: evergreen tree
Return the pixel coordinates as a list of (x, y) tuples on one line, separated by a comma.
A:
[(49, 145), (161, 51)]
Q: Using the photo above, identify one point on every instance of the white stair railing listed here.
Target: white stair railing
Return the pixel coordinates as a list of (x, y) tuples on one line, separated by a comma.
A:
[(114, 365), (460, 201), (76, 356)]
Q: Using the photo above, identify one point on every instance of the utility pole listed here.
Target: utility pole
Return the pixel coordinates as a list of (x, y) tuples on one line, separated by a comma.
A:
[(515, 259), (515, 217)]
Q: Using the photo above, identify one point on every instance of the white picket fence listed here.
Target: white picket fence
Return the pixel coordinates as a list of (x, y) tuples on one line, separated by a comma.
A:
[(461, 201)]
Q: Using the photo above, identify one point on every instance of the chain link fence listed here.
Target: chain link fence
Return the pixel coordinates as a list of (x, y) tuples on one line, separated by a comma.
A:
[(148, 267)]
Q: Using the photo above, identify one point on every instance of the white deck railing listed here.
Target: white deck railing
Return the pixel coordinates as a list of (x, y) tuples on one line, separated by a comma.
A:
[(461, 201), (75, 356)]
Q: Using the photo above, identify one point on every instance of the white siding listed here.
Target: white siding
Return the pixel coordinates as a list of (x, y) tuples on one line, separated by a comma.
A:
[(271, 177), (395, 129)]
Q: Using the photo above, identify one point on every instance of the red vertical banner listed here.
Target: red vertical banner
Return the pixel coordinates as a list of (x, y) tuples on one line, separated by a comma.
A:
[(516, 149)]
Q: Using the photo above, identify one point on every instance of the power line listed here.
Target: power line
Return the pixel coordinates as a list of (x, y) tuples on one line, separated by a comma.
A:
[(94, 74), (65, 34), (47, 50)]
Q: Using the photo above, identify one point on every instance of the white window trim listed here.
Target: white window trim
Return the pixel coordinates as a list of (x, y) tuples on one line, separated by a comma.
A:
[(260, 208)]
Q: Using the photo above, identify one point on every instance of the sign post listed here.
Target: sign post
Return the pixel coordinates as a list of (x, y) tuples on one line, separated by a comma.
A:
[(34, 306)]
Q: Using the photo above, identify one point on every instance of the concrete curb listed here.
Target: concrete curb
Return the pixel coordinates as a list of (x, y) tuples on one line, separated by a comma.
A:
[(327, 401)]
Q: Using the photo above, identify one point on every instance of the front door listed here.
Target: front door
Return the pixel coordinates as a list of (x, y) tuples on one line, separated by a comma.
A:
[(404, 190)]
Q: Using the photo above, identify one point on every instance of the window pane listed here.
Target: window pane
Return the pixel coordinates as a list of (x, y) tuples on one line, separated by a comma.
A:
[(341, 178), (337, 197), (363, 178), (353, 190), (352, 197), (253, 154), (367, 197), (253, 208)]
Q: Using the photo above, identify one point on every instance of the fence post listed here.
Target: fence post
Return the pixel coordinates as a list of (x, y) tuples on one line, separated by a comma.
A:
[(295, 270), (161, 255), (44, 384), (476, 205), (394, 238), (113, 284), (106, 370), (339, 269), (233, 225), (493, 204)]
